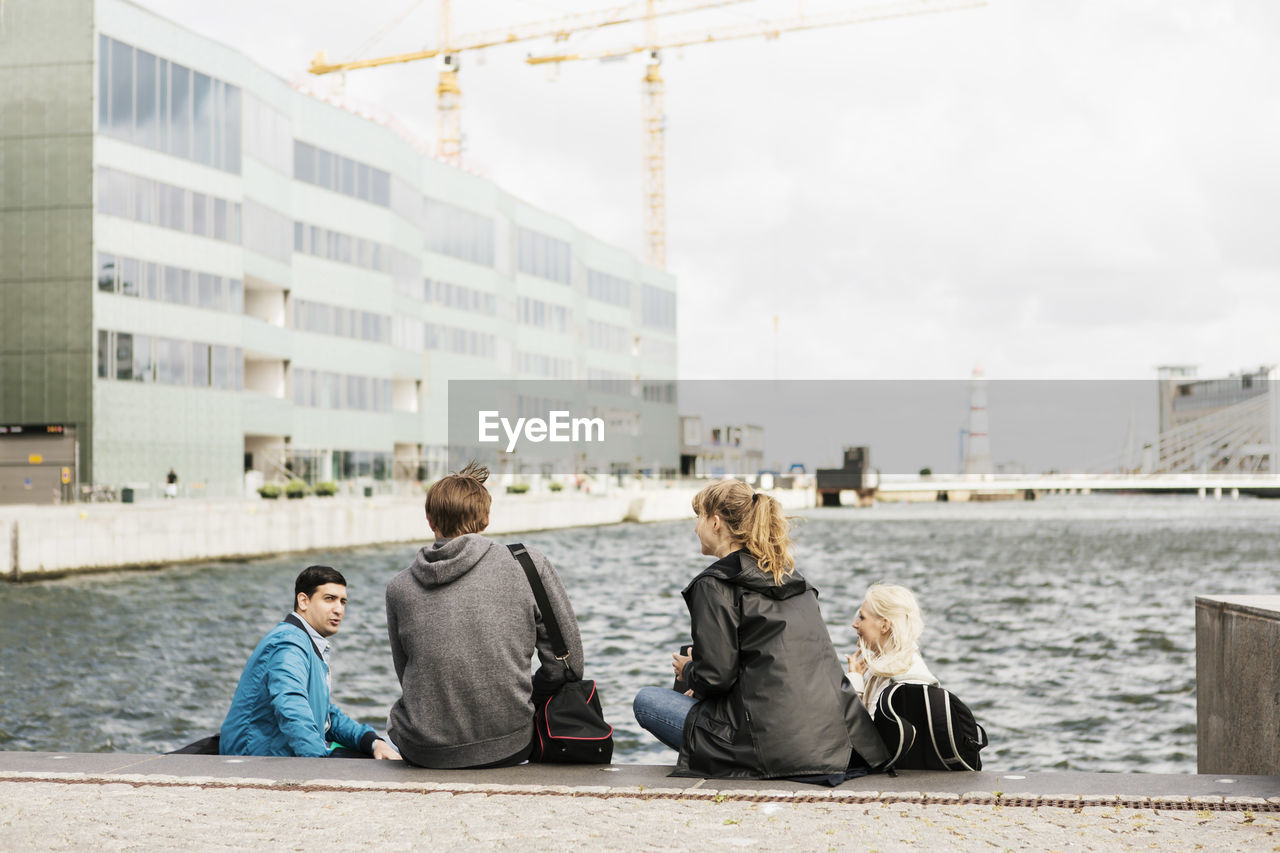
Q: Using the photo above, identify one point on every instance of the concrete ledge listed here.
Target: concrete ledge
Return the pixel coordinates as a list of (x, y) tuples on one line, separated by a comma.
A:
[(148, 802), (1131, 790), (42, 542)]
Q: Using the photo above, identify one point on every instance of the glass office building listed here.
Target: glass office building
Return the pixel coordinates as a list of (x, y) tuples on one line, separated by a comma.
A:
[(211, 272)]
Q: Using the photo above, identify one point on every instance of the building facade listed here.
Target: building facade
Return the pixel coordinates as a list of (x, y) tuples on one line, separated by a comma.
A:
[(211, 272), (1227, 425)]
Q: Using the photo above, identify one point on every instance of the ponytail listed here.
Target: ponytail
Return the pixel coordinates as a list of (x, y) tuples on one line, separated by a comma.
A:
[(754, 520)]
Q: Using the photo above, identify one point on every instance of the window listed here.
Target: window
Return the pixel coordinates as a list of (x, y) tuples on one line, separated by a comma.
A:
[(121, 91), (106, 273), (381, 188), (124, 356), (164, 106), (146, 122), (104, 354), (200, 365), (657, 307), (608, 288), (459, 233), (304, 162), (129, 279), (180, 111), (543, 256), (202, 118), (142, 365)]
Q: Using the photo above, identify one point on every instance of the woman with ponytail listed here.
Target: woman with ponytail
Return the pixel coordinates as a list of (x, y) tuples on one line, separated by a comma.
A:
[(766, 697)]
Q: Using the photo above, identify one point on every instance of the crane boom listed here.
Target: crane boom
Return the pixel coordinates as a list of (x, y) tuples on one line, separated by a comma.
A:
[(556, 28), (766, 29)]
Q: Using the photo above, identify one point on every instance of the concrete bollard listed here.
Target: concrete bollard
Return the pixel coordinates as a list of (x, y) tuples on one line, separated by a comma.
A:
[(1238, 684)]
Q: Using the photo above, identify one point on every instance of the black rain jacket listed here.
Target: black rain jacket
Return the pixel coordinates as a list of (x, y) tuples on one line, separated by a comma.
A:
[(774, 699)]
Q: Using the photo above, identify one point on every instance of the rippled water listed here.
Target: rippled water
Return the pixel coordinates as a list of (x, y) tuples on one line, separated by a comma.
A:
[(1067, 625)]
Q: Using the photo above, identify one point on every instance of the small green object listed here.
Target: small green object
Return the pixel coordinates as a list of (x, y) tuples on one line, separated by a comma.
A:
[(555, 486), (326, 489), (296, 489), (517, 488), (270, 491)]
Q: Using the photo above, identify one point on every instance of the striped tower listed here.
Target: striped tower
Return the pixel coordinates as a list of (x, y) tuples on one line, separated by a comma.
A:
[(977, 457)]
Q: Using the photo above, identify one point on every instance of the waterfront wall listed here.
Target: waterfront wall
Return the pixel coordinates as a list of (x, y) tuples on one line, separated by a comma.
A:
[(1238, 684), (47, 541)]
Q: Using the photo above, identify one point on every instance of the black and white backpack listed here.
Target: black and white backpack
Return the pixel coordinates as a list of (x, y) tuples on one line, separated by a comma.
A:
[(927, 728)]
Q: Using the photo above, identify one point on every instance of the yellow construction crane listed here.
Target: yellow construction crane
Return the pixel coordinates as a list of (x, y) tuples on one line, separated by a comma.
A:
[(448, 93), (653, 122)]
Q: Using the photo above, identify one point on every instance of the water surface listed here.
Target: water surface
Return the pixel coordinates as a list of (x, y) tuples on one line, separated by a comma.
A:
[(1067, 625)]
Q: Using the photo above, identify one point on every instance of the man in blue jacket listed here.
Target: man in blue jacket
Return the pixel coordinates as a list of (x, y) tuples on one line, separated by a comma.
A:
[(282, 705)]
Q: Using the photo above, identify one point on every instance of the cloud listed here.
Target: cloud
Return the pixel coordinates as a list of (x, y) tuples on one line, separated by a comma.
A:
[(1052, 189)]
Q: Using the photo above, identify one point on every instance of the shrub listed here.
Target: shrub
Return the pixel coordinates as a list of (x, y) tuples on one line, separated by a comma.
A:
[(296, 489), (327, 489), (555, 486), (517, 488), (270, 491)]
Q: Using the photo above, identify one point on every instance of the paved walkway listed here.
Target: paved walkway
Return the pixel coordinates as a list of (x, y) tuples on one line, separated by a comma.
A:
[(133, 802)]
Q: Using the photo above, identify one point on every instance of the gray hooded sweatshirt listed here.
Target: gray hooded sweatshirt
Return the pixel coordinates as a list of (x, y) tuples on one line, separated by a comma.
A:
[(464, 627)]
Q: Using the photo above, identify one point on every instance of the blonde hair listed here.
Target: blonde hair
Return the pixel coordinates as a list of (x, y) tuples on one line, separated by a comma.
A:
[(752, 519), (459, 503), (899, 608)]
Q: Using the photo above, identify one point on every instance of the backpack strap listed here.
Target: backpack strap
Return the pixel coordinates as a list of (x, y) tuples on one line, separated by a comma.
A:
[(558, 646), (943, 727)]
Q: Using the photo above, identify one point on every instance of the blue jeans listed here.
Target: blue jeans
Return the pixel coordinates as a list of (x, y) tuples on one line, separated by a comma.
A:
[(662, 712)]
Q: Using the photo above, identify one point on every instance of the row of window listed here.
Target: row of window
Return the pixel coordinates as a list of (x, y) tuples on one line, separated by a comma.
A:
[(147, 280), (417, 336), (154, 203), (166, 361), (459, 233), (343, 248), (542, 315), (341, 174), (167, 107), (608, 288), (458, 297), (657, 307), (539, 407), (344, 322), (603, 381), (460, 341), (659, 392), (543, 366), (608, 337), (543, 256), (321, 389), (345, 465)]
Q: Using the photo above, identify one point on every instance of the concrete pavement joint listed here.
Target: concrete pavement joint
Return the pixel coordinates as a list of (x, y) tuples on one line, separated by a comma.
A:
[(1074, 803)]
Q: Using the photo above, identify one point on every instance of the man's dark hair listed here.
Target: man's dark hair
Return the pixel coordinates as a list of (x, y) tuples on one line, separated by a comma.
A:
[(314, 577)]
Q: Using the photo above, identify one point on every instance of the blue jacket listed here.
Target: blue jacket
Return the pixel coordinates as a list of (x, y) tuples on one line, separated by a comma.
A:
[(282, 706)]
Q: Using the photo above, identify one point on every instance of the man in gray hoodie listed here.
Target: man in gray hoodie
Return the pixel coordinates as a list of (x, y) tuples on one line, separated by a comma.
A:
[(464, 627)]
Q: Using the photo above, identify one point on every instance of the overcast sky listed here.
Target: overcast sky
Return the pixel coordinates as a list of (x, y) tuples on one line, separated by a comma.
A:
[(1081, 189)]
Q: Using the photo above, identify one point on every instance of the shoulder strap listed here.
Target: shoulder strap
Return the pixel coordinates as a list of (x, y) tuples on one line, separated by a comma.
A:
[(558, 645), (294, 620)]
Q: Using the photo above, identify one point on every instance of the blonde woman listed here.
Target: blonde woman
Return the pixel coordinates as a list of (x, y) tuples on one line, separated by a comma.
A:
[(889, 625), (767, 696)]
